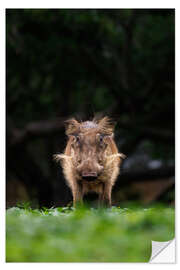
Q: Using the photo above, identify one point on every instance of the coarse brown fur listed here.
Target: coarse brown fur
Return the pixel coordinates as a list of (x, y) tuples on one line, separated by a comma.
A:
[(91, 160)]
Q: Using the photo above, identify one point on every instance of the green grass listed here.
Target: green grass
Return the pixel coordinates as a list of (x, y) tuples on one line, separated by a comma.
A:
[(86, 234)]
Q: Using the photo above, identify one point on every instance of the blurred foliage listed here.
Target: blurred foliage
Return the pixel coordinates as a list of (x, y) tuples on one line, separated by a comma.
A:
[(63, 63), (90, 56), (86, 235)]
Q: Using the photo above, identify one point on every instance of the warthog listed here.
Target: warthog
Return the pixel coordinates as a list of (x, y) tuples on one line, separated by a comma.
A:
[(91, 160)]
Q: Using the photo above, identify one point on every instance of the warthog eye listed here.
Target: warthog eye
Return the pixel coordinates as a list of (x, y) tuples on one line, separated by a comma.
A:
[(77, 139), (101, 138)]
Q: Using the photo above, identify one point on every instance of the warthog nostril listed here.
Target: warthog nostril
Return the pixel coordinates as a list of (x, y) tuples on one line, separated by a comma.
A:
[(89, 176)]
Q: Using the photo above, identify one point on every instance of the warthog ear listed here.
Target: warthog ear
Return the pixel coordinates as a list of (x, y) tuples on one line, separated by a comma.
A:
[(106, 125), (72, 126)]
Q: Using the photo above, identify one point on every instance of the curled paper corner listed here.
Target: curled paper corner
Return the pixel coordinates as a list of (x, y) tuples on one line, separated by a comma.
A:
[(163, 252)]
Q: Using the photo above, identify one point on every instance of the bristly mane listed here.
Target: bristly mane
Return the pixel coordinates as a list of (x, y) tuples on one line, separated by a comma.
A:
[(89, 124), (104, 125)]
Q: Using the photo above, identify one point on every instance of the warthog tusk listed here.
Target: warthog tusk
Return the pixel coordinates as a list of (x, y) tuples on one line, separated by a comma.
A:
[(58, 157), (112, 157)]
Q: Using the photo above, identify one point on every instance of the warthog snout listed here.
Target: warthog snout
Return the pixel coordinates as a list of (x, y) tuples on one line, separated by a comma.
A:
[(89, 176), (89, 169)]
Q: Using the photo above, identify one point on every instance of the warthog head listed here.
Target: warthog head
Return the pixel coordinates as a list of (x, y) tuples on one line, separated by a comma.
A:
[(88, 147)]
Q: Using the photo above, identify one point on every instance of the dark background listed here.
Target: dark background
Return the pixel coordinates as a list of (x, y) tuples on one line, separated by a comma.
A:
[(62, 63)]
